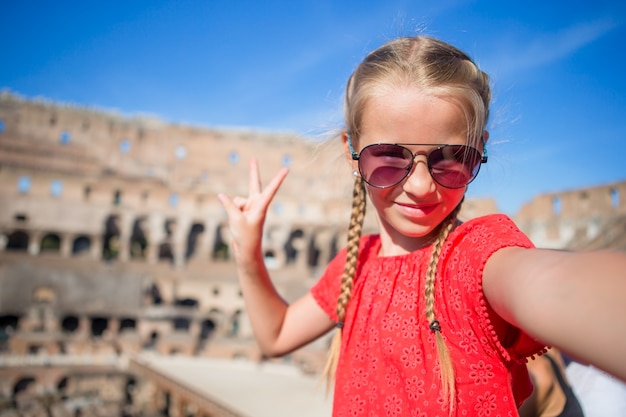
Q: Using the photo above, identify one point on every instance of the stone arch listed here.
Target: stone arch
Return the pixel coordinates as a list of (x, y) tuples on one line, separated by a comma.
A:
[(70, 324), (615, 197), (153, 295), (111, 238), (195, 231), (99, 326), (313, 252), (62, 384), (187, 302), (166, 249), (81, 245), (291, 247), (23, 384), (181, 322), (153, 339), (51, 242), (18, 240), (207, 327), (127, 323), (138, 239), (8, 324), (221, 251)]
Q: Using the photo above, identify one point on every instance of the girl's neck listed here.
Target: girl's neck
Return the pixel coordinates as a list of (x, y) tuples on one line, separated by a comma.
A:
[(394, 245), (397, 245)]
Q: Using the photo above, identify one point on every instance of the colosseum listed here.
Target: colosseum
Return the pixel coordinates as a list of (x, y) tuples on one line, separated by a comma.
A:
[(118, 291)]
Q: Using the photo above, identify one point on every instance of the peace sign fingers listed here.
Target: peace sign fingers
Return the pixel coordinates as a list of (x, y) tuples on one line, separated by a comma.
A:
[(246, 216)]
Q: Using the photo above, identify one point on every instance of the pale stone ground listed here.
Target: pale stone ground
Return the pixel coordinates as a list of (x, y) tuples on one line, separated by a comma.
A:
[(253, 389)]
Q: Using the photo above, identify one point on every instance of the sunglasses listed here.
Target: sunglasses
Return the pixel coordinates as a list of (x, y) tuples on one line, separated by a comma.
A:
[(384, 165)]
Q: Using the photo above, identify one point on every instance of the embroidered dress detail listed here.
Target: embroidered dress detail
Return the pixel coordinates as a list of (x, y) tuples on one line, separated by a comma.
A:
[(388, 364)]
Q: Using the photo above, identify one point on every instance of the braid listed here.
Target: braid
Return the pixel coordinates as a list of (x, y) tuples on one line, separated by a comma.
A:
[(445, 362), (354, 237)]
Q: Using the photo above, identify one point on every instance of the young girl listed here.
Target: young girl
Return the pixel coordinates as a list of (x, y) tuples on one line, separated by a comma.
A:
[(433, 317)]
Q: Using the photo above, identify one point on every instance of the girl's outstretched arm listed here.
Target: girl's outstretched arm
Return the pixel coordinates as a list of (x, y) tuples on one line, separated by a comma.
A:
[(278, 327), (575, 301)]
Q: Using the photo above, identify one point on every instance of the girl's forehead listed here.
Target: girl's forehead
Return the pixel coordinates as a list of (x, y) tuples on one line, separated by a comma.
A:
[(412, 116)]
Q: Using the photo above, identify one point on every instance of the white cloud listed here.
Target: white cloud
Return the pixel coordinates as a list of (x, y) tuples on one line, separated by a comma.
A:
[(545, 48)]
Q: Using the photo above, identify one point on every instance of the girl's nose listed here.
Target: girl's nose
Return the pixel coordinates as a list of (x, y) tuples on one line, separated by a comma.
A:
[(420, 182)]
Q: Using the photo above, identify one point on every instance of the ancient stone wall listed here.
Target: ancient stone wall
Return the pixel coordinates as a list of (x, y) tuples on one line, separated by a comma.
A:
[(574, 218)]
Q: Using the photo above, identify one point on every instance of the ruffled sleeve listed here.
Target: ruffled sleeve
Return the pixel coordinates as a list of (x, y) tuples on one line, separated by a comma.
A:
[(326, 289)]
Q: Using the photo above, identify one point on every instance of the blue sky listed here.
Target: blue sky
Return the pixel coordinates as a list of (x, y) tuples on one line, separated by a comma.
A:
[(558, 115)]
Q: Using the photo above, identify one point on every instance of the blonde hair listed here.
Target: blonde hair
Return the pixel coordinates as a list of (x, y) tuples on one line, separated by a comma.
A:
[(438, 69)]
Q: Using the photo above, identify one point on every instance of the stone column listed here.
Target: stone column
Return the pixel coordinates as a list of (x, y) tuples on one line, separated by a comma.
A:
[(96, 247), (34, 243), (66, 244)]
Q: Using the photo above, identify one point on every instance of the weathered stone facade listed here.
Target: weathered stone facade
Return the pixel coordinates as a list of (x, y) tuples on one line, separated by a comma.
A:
[(589, 218), (112, 240)]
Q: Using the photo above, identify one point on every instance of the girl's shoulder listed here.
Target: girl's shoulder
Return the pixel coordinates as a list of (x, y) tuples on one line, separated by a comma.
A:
[(491, 225)]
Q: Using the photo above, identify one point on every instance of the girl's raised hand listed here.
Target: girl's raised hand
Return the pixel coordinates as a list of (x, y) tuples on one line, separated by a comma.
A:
[(246, 216)]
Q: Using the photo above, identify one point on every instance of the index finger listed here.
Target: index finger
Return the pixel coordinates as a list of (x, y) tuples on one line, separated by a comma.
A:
[(270, 191), (254, 178)]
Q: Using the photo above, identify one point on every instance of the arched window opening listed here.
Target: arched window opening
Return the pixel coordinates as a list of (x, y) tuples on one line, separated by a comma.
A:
[(220, 247), (181, 323), (233, 157), (69, 324), (17, 241), (192, 239), (99, 326), (334, 249), (8, 325), (51, 243), (64, 137), (111, 239), (206, 329), (154, 294), (291, 250), (56, 188), (556, 205), (128, 324), (614, 198), (152, 342), (173, 200), (165, 252), (138, 240), (81, 245), (20, 217), (125, 146), (180, 152), (23, 384), (313, 253), (186, 302), (23, 184)]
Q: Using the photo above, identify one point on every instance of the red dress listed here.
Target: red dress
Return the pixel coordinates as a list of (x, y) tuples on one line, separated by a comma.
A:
[(388, 364)]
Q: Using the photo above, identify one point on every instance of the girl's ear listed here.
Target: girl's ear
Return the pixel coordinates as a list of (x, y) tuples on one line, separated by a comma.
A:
[(485, 136), (346, 148)]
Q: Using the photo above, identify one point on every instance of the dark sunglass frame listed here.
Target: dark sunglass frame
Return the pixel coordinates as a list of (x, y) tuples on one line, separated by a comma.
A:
[(439, 148)]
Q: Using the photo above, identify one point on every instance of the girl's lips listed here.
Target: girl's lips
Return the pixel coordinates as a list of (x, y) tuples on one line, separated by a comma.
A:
[(417, 210)]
